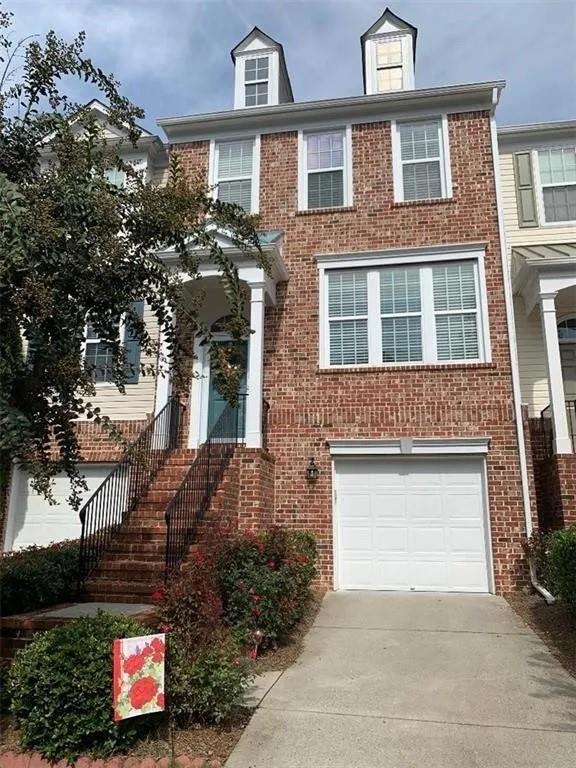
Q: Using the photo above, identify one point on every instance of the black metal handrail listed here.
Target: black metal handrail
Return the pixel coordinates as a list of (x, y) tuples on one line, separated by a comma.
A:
[(192, 499), (110, 507), (548, 426)]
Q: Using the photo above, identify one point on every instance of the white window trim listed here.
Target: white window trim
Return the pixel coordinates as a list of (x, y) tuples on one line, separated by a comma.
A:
[(371, 61), (258, 81), (240, 77), (213, 164), (539, 189), (86, 341), (445, 164), (303, 169), (373, 262)]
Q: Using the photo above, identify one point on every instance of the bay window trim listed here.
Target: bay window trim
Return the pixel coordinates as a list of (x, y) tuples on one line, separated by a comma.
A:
[(213, 167), (444, 158), (540, 187), (347, 185), (372, 263)]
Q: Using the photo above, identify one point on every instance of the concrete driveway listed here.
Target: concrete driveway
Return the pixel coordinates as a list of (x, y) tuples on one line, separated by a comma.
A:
[(415, 681)]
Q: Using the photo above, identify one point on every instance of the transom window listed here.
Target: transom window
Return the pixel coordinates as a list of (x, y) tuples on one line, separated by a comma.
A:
[(324, 171), (234, 172), (404, 314), (558, 182), (256, 81), (389, 65), (420, 160)]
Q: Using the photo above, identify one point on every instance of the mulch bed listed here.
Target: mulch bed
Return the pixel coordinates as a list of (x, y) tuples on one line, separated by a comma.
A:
[(554, 624), (215, 743)]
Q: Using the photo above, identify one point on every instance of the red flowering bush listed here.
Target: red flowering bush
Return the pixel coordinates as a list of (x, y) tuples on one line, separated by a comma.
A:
[(265, 583)]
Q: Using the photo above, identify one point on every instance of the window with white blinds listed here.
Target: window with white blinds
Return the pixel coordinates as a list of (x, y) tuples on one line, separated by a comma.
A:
[(389, 65), (558, 183), (420, 160), (456, 310), (324, 170), (401, 310), (234, 172), (348, 317), (424, 313)]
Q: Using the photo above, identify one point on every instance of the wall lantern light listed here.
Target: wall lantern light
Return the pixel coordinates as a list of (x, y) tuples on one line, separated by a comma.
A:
[(312, 471)]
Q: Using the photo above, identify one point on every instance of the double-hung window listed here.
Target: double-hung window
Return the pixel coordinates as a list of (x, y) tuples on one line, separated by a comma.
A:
[(402, 314), (235, 173), (98, 356), (421, 162), (256, 81), (558, 183), (115, 176), (389, 65), (325, 169)]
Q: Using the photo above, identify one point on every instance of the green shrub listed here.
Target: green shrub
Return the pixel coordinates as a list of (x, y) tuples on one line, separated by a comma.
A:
[(61, 689), (207, 689), (265, 583), (562, 565), (37, 577)]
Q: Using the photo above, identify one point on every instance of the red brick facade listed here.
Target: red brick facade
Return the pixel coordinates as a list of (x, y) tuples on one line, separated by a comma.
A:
[(309, 406)]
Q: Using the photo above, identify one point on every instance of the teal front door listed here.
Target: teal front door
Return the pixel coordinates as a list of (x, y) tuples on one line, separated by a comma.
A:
[(233, 428)]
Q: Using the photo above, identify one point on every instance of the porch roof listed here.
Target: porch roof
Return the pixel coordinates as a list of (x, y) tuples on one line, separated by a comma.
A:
[(541, 269)]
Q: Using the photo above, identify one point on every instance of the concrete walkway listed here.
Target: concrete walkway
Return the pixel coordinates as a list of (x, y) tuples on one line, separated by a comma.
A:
[(416, 681)]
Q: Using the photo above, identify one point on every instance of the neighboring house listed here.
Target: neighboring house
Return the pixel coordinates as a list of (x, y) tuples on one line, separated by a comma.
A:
[(538, 173), (378, 404)]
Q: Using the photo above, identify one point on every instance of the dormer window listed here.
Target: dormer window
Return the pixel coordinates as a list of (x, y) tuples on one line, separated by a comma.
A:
[(256, 81), (260, 75), (388, 49), (389, 65)]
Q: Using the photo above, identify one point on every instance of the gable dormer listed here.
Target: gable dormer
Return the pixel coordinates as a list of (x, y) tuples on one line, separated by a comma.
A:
[(260, 74), (388, 55)]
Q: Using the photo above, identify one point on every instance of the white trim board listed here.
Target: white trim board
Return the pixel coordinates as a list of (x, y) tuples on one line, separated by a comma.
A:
[(410, 446)]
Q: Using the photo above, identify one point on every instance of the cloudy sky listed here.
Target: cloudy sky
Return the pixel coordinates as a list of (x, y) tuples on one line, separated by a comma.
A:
[(172, 56)]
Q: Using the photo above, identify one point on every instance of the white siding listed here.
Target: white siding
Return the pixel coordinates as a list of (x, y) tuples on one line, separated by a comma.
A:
[(516, 235), (138, 400), (531, 359)]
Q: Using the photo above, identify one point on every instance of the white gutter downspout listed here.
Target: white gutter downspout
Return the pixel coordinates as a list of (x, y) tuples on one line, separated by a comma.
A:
[(513, 352)]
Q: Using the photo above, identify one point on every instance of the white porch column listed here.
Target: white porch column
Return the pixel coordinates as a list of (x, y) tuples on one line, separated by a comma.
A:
[(164, 377), (562, 442), (255, 367)]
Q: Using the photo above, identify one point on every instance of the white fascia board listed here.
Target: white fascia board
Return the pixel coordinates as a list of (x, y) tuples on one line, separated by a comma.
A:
[(515, 137), (410, 446), (392, 255), (356, 109)]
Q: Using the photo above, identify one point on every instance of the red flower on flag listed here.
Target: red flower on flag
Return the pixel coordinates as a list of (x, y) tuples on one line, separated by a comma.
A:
[(143, 691), (133, 664)]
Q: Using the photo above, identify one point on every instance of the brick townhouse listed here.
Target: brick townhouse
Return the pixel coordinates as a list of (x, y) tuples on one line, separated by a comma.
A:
[(380, 405)]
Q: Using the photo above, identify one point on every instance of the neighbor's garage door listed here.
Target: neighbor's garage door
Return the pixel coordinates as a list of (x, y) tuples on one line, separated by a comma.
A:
[(410, 524), (33, 520)]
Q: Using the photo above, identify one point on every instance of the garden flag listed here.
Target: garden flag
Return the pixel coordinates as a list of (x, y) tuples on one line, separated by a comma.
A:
[(139, 675)]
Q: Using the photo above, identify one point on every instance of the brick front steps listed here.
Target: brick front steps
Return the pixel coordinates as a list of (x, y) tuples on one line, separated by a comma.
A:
[(18, 630), (25, 760)]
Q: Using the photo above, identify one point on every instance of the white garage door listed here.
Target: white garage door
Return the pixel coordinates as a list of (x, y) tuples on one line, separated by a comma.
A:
[(410, 524), (33, 520)]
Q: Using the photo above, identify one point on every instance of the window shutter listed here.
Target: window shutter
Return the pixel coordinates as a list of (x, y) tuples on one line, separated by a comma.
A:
[(525, 190), (132, 348)]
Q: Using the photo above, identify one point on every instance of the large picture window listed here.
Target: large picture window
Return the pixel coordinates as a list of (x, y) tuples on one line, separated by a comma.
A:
[(423, 313)]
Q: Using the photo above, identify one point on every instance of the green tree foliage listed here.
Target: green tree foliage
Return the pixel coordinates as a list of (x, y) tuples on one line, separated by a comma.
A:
[(76, 248)]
